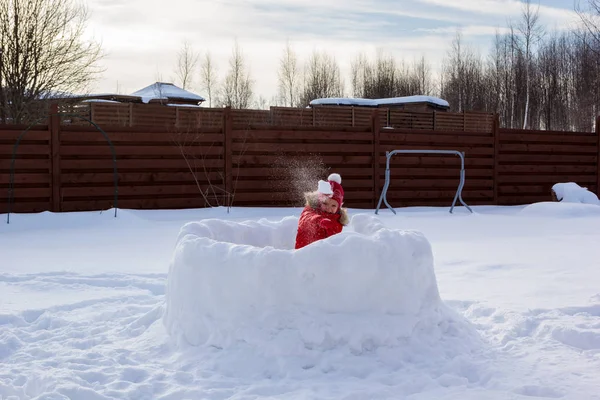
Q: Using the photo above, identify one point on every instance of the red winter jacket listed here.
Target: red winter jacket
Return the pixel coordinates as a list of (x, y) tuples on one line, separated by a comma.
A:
[(315, 224)]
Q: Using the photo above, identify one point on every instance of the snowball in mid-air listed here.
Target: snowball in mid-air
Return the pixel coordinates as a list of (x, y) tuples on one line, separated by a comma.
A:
[(233, 282)]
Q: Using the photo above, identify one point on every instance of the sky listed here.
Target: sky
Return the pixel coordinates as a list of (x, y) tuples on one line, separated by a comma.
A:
[(141, 38)]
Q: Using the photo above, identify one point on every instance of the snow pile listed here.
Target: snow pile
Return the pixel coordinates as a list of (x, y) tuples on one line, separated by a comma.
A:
[(570, 192), (573, 201), (232, 283), (550, 209), (348, 101)]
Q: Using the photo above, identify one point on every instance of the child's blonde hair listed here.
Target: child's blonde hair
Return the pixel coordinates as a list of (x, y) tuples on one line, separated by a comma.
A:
[(314, 200)]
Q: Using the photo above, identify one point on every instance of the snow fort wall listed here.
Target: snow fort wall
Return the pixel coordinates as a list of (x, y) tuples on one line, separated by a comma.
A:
[(232, 282)]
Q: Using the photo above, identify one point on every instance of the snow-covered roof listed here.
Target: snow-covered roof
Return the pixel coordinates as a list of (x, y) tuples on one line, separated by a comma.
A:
[(348, 101), (165, 91), (100, 101), (183, 105)]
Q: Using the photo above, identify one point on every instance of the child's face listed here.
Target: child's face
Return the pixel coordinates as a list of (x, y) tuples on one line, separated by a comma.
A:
[(329, 205)]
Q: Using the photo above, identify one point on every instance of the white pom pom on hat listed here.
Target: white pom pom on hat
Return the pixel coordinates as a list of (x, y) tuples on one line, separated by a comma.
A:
[(335, 178)]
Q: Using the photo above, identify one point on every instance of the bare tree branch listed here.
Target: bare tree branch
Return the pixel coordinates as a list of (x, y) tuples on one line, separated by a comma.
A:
[(187, 62), (237, 90), (321, 78), (590, 20), (43, 51), (209, 77), (289, 77)]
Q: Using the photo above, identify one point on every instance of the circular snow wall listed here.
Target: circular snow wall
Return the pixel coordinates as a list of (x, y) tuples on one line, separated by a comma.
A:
[(233, 282)]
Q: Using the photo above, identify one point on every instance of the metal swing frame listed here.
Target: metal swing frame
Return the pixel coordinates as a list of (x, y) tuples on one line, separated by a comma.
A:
[(457, 196)]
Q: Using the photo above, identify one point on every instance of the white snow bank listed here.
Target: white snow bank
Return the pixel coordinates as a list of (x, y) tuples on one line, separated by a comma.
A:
[(570, 192), (550, 209), (232, 283)]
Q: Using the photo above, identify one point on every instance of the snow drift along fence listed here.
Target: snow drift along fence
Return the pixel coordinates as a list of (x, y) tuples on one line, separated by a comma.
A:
[(69, 167)]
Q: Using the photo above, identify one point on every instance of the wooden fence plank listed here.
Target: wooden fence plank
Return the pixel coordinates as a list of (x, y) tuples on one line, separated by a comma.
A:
[(581, 179), (80, 178), (25, 165), (129, 190), (299, 136), (561, 138), (376, 133), (547, 158), (10, 136), (540, 169), (302, 147), (434, 194), (25, 178), (598, 155), (433, 171), (25, 149), (143, 203), (548, 148), (20, 192), (329, 159), (128, 150), (228, 150), (75, 138), (135, 165), (55, 155), (437, 139)]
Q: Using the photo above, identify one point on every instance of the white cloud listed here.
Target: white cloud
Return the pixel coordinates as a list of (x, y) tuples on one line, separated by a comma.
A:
[(469, 30), (142, 37), (560, 17)]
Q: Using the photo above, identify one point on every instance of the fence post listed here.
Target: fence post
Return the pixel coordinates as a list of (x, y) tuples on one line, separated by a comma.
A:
[(375, 132), (54, 130), (598, 154), (496, 134), (227, 151)]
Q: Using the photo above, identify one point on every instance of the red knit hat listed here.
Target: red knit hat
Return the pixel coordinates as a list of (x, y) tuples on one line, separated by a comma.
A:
[(333, 188), (336, 186)]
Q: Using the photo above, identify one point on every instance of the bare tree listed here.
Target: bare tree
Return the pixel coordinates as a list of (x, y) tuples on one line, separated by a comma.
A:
[(590, 19), (321, 78), (209, 77), (289, 77), (187, 62), (43, 51), (360, 75), (379, 79), (422, 71), (464, 78), (531, 33), (261, 103), (385, 77), (237, 87)]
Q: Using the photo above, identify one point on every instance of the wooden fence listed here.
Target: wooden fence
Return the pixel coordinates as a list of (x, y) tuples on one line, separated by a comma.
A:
[(70, 168), (182, 117)]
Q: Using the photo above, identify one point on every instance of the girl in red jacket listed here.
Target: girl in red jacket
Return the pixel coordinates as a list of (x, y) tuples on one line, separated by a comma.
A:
[(323, 215)]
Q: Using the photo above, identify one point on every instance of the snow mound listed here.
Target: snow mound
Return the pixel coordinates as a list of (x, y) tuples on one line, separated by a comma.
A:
[(348, 101), (561, 210), (570, 192), (242, 282)]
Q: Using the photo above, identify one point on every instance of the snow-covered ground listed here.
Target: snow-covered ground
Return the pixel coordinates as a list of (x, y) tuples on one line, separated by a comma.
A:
[(83, 305)]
